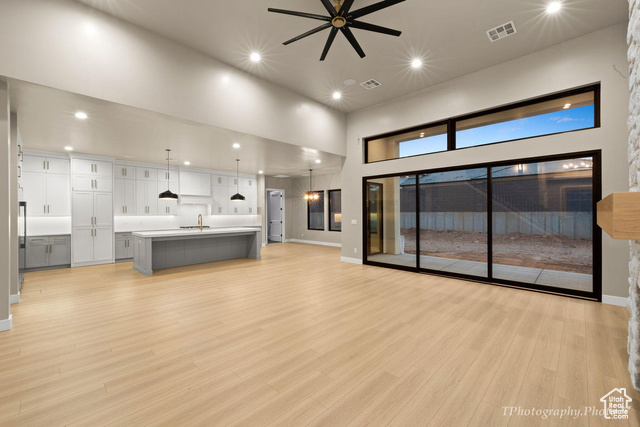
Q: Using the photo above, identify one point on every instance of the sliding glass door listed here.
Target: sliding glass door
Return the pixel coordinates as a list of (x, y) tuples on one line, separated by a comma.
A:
[(528, 223)]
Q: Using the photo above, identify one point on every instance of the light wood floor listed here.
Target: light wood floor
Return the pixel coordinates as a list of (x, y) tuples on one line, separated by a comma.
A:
[(300, 338)]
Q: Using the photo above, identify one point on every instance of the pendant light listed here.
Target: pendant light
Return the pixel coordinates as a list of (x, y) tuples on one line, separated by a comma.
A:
[(311, 195), (237, 197), (168, 195)]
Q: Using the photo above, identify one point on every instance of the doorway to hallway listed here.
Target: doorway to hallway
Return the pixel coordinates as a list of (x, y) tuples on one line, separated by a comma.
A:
[(275, 215)]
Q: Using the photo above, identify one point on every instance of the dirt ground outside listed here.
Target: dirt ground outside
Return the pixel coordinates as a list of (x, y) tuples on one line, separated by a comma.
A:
[(524, 250)]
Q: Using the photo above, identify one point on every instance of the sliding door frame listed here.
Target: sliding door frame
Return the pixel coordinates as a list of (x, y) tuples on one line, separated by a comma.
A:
[(596, 293)]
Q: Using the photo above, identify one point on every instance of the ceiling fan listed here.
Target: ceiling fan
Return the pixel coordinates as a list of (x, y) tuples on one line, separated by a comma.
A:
[(342, 18)]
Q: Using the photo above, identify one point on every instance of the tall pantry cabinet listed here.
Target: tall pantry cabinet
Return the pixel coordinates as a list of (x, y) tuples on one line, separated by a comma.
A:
[(92, 211)]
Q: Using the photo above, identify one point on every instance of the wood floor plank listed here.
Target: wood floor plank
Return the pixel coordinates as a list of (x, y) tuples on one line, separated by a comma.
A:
[(300, 338)]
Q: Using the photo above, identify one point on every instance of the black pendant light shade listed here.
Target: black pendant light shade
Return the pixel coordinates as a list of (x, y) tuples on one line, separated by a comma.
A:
[(168, 195), (237, 197)]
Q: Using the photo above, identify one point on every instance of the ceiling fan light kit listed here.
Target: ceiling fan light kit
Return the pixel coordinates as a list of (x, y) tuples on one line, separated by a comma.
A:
[(342, 19)]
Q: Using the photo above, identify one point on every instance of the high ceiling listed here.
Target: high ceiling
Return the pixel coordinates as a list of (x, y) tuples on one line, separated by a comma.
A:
[(47, 122), (449, 36)]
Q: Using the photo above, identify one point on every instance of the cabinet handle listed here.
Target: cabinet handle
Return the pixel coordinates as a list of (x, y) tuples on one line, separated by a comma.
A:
[(96, 184), (48, 209), (60, 239), (219, 210), (92, 184), (21, 155), (44, 208), (96, 168), (36, 240), (44, 165), (19, 171), (47, 164), (126, 209), (96, 233)]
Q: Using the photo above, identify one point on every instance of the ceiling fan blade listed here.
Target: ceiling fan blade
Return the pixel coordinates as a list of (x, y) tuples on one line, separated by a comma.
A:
[(327, 5), (301, 14), (373, 8), (349, 35), (344, 9), (327, 46), (308, 33), (374, 28)]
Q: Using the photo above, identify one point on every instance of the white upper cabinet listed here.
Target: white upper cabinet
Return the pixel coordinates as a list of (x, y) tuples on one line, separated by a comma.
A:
[(219, 180), (58, 195), (92, 183), (124, 197), (167, 207), (147, 197), (247, 182), (146, 174), (45, 165), (167, 175), (124, 172), (220, 204), (195, 183), (92, 167)]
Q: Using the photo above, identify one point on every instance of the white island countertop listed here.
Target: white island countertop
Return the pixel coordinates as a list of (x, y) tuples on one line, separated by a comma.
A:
[(194, 232)]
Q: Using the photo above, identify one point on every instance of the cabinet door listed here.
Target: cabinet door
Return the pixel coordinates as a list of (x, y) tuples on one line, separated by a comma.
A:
[(35, 192), (195, 183), (102, 209), (130, 247), (60, 253), (129, 199), (102, 244), (58, 197), (121, 249), (146, 174), (151, 189), (236, 207), (82, 245), (219, 180), (82, 167), (141, 198), (250, 205), (167, 207), (248, 182), (34, 164), (36, 256), (164, 176), (58, 166), (220, 205), (118, 196), (124, 172), (82, 209), (103, 184), (83, 183), (104, 169)]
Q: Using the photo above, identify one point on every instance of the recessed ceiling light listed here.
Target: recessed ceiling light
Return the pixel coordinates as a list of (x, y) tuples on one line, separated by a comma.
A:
[(81, 115), (255, 57), (236, 145), (318, 161), (554, 6), (68, 148), (416, 63), (260, 172), (337, 95), (566, 106), (187, 163)]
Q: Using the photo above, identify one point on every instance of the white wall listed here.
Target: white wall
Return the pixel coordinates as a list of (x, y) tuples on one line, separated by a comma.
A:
[(5, 207), (578, 62), (66, 45), (299, 186)]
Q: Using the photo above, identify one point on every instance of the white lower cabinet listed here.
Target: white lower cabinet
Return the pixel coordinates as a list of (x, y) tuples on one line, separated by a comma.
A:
[(83, 245), (124, 246)]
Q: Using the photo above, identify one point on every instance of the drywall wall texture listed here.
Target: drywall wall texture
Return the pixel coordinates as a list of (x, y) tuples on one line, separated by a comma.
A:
[(597, 57), (70, 46), (633, 39), (320, 182)]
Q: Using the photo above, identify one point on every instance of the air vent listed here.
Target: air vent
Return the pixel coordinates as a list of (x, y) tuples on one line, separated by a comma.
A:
[(370, 84), (502, 31)]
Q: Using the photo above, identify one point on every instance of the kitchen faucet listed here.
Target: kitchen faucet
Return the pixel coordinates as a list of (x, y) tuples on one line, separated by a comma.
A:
[(200, 221)]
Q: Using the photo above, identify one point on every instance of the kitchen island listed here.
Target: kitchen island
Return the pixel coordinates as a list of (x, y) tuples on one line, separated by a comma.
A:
[(155, 250)]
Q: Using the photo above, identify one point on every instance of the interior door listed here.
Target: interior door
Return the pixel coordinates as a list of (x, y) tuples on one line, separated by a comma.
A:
[(275, 216), (374, 219)]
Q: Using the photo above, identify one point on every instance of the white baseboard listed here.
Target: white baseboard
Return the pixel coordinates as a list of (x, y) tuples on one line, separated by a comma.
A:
[(15, 298), (5, 324), (611, 300), (351, 260), (313, 242), (264, 245)]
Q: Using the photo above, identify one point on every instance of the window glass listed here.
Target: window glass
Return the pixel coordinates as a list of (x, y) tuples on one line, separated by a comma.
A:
[(315, 212), (411, 143), (335, 210)]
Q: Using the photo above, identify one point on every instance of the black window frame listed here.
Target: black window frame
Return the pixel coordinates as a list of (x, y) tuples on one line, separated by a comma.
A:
[(324, 220), (595, 294), (451, 122), (331, 211)]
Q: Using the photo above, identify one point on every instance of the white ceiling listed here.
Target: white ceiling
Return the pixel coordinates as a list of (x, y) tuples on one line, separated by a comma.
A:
[(449, 35), (46, 119)]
